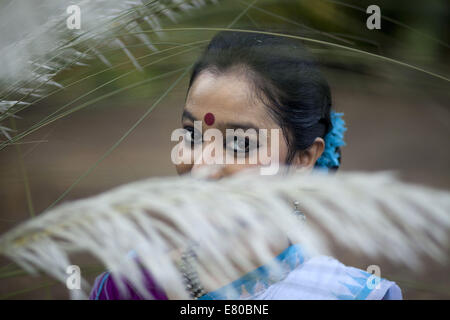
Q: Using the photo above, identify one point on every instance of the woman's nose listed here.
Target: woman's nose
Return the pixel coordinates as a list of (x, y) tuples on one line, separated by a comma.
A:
[(209, 165), (208, 171)]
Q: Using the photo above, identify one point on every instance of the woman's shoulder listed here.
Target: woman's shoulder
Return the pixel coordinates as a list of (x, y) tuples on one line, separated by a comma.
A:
[(325, 278)]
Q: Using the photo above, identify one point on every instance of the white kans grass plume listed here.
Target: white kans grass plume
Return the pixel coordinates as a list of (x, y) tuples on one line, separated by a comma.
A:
[(236, 223), (36, 44)]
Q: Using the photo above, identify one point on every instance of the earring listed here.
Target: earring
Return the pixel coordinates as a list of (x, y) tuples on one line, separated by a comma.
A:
[(297, 212)]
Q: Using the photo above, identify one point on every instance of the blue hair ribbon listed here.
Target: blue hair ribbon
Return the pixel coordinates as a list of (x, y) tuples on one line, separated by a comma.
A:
[(333, 140)]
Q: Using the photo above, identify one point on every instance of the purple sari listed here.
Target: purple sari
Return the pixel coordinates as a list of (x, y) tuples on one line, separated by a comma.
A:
[(105, 288)]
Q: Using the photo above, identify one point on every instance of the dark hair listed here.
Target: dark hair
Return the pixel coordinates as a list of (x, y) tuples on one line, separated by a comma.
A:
[(286, 79)]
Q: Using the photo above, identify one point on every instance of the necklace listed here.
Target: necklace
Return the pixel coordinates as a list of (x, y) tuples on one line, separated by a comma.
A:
[(190, 275)]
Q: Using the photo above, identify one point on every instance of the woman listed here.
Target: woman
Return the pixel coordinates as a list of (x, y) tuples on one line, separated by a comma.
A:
[(257, 82)]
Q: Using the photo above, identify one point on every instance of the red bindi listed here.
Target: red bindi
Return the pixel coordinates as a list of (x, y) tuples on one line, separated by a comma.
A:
[(209, 119)]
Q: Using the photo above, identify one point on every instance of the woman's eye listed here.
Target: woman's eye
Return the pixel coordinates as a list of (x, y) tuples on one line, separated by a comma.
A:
[(192, 137), (242, 145)]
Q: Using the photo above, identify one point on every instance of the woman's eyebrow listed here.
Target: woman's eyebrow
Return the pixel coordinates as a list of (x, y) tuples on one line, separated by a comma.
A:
[(187, 115)]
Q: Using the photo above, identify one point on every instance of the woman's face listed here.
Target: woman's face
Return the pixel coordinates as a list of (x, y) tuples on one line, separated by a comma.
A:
[(228, 102)]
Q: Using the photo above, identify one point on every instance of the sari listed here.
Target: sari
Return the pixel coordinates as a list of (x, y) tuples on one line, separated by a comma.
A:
[(297, 278)]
